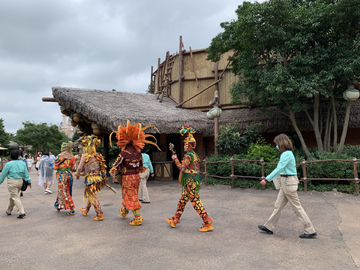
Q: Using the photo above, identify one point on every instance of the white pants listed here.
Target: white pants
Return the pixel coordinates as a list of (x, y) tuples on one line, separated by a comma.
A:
[(143, 192), (288, 193)]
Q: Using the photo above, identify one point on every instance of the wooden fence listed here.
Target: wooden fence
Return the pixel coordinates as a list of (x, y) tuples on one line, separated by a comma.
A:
[(304, 164)]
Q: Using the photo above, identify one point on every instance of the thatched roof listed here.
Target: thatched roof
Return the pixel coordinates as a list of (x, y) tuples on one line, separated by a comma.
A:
[(109, 109), (279, 122)]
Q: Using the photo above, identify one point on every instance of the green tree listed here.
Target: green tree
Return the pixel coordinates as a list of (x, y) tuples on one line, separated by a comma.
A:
[(4, 136), (42, 137), (296, 55)]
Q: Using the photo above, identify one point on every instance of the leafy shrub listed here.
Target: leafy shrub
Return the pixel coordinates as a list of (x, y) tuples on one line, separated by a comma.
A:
[(230, 140), (331, 169), (260, 150)]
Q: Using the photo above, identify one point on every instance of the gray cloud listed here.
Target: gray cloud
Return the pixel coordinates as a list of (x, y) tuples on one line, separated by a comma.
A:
[(94, 44)]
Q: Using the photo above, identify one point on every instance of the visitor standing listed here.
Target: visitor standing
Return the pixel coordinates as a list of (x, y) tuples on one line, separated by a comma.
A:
[(15, 171), (46, 172), (289, 181), (37, 161), (143, 191)]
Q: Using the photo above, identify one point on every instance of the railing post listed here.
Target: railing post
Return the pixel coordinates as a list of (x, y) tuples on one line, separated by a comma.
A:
[(303, 163), (262, 163), (356, 179), (232, 173), (205, 173)]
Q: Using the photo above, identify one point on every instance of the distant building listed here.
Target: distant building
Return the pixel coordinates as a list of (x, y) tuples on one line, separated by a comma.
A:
[(66, 127)]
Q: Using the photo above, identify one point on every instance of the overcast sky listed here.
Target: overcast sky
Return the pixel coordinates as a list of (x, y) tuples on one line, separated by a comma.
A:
[(95, 44)]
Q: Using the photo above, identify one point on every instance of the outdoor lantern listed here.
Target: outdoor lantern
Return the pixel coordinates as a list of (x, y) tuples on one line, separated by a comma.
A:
[(96, 131), (214, 113), (76, 117), (351, 94), (95, 126), (73, 123), (64, 110)]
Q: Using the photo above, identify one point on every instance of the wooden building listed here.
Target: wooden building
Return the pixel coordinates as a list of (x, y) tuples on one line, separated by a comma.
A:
[(181, 89)]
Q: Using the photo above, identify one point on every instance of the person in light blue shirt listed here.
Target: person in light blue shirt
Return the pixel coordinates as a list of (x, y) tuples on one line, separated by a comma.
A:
[(15, 170), (286, 169), (143, 191)]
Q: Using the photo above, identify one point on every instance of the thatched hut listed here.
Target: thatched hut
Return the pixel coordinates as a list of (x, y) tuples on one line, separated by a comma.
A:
[(104, 111)]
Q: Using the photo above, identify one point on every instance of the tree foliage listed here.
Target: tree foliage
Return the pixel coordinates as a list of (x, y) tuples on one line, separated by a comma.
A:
[(4, 136), (294, 54), (42, 137)]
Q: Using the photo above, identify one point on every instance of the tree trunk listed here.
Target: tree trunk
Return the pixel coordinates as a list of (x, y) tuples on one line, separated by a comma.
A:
[(298, 132), (335, 119), (316, 123), (327, 131), (345, 127)]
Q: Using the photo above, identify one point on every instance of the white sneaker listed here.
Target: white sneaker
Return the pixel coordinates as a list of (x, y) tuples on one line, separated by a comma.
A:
[(48, 191)]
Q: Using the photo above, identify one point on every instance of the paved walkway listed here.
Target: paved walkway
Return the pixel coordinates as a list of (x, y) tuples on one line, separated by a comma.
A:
[(46, 239)]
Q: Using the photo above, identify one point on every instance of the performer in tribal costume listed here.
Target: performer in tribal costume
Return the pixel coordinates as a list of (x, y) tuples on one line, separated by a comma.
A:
[(190, 179), (94, 168), (131, 139), (64, 164)]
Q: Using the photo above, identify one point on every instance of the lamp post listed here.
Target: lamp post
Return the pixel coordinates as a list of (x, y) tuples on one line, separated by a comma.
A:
[(214, 114), (351, 94)]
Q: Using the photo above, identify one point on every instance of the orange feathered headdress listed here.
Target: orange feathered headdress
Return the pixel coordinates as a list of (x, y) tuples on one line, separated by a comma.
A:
[(134, 134)]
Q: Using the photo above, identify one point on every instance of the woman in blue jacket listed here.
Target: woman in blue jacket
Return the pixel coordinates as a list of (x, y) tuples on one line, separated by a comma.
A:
[(286, 168)]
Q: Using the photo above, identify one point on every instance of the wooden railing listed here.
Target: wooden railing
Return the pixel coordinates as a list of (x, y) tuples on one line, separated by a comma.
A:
[(304, 164)]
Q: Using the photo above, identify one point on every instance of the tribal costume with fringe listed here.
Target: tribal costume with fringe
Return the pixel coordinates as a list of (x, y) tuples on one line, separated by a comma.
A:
[(189, 168), (93, 165), (131, 139), (65, 178), (64, 165)]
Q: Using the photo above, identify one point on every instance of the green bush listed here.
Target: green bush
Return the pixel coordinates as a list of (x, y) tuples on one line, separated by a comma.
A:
[(260, 150), (331, 169), (231, 141)]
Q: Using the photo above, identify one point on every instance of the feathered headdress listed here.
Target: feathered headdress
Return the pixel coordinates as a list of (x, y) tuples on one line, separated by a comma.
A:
[(185, 129), (133, 134), (90, 142)]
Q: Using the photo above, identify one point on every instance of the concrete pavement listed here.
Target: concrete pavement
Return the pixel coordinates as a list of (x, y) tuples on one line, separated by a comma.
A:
[(46, 239)]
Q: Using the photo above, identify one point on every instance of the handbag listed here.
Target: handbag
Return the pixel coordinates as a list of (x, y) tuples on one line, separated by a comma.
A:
[(24, 185), (277, 182)]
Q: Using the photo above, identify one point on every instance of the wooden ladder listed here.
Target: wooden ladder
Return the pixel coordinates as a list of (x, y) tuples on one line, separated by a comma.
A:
[(166, 76)]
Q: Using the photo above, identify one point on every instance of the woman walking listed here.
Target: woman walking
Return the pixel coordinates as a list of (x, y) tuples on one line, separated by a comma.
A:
[(288, 189), (64, 165), (15, 171), (46, 172)]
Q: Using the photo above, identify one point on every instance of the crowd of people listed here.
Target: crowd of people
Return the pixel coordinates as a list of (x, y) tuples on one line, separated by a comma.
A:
[(135, 168)]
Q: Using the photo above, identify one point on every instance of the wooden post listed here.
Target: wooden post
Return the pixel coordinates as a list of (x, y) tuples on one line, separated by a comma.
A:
[(151, 81), (158, 78), (205, 173), (262, 163), (232, 173), (193, 64), (181, 72), (106, 153), (356, 179), (216, 120), (303, 164)]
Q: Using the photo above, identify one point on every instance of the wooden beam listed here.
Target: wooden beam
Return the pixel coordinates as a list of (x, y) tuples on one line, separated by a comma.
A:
[(181, 72), (49, 99), (180, 104)]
